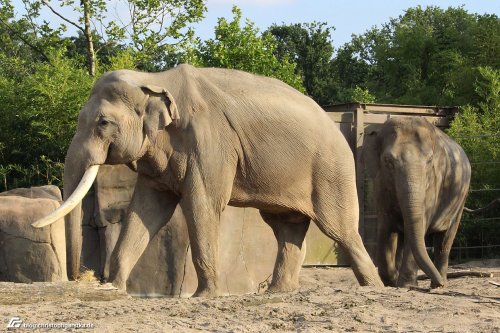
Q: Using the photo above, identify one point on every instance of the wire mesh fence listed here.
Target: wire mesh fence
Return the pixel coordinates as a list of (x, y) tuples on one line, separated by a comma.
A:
[(479, 234)]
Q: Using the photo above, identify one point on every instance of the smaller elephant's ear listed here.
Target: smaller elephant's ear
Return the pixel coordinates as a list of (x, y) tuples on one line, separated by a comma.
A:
[(370, 156), (160, 110)]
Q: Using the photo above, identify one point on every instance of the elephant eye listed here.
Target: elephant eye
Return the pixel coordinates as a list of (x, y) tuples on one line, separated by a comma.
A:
[(103, 122)]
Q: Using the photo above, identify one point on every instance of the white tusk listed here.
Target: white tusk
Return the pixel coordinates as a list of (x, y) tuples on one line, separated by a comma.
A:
[(73, 200)]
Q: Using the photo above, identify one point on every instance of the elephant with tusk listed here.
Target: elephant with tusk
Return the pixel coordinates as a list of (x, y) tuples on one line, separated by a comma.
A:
[(204, 138)]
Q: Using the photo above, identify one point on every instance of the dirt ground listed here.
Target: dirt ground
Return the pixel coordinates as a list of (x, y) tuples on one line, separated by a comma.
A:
[(329, 300)]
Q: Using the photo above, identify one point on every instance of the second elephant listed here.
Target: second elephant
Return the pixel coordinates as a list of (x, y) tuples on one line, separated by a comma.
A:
[(421, 180)]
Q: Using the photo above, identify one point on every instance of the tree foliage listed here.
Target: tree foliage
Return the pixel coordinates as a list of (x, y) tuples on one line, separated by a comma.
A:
[(39, 104), (152, 29), (244, 48), (309, 45), (426, 56), (477, 129)]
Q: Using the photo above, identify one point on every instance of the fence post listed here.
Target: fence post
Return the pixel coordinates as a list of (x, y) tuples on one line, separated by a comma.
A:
[(360, 184)]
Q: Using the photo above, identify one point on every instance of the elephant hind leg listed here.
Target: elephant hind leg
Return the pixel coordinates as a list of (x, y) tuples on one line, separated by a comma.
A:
[(290, 230), (340, 223)]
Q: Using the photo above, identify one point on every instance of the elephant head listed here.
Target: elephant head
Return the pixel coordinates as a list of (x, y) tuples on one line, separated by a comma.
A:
[(401, 156), (116, 126)]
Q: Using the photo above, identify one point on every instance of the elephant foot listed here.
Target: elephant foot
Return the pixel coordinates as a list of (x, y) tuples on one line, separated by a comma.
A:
[(407, 283), (388, 279), (389, 282), (206, 293), (207, 290), (438, 284), (120, 284), (283, 286), (103, 280)]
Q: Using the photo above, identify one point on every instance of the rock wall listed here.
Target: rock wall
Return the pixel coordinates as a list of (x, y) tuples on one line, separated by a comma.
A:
[(28, 254), (247, 244)]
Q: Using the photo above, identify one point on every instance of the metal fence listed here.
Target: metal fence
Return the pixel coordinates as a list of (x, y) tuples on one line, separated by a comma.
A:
[(478, 236)]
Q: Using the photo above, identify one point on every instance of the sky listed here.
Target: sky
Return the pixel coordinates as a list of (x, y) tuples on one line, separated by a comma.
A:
[(347, 16)]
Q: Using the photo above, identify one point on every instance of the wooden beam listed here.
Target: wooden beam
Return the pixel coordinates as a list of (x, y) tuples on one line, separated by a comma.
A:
[(371, 118), (341, 117), (360, 184)]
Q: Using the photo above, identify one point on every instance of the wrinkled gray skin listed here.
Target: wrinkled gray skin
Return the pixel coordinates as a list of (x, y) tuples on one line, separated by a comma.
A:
[(206, 138), (421, 179)]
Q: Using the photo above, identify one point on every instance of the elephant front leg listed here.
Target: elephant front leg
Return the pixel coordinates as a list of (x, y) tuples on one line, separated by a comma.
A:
[(148, 212), (102, 254), (290, 231), (409, 269), (387, 249), (203, 228)]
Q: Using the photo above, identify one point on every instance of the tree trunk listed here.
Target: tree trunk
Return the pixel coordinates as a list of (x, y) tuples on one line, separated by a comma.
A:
[(88, 37)]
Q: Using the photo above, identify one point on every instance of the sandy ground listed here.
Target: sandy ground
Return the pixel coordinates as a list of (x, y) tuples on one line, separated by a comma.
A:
[(329, 300)]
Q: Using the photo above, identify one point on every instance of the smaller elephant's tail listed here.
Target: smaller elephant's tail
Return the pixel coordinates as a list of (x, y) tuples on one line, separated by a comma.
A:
[(482, 209)]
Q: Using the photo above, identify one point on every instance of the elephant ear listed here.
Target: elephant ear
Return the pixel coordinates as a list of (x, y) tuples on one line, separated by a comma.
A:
[(160, 110), (370, 156)]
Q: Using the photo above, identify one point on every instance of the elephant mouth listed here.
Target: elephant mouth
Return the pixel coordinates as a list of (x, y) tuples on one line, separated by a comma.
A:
[(75, 198)]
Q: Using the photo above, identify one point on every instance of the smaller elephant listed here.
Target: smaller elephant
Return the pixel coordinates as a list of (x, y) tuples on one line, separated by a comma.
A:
[(421, 179)]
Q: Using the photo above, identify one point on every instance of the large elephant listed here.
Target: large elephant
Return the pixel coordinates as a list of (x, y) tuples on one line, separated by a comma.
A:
[(204, 138), (421, 179)]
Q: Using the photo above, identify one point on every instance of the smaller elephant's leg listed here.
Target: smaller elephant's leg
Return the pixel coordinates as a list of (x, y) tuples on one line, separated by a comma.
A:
[(440, 255), (148, 212), (443, 242), (386, 256), (408, 270), (103, 255), (399, 252), (290, 231)]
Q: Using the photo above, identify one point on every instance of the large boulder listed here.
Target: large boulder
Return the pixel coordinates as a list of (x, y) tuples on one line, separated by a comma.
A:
[(29, 254)]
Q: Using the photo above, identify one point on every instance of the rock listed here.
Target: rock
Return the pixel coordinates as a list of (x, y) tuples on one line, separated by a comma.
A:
[(28, 254), (46, 191)]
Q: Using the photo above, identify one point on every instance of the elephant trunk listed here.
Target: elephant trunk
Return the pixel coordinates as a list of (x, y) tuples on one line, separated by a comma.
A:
[(411, 192), (79, 175), (73, 172)]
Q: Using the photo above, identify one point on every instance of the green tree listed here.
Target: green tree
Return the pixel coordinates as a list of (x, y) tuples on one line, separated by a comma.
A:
[(39, 106), (426, 56), (153, 29), (242, 47), (477, 130), (21, 37), (310, 46)]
